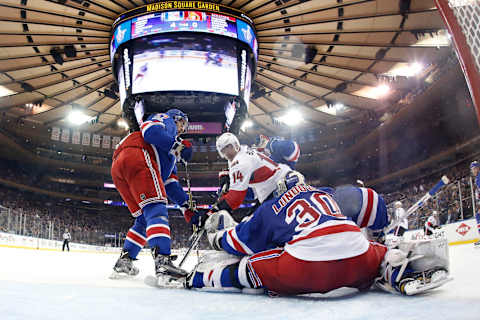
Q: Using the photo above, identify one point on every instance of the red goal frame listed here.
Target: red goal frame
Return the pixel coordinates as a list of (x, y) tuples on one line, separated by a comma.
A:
[(467, 62)]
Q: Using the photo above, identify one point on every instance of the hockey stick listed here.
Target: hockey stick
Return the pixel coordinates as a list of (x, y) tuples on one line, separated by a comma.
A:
[(443, 181), (189, 190), (195, 240)]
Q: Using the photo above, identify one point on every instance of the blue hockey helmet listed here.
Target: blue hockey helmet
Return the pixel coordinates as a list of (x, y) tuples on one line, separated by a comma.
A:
[(177, 116)]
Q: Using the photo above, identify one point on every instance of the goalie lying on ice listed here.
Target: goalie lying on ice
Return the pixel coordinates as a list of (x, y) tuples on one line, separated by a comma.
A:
[(301, 243)]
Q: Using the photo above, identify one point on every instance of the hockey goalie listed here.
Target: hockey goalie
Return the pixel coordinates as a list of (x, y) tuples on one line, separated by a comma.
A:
[(300, 242)]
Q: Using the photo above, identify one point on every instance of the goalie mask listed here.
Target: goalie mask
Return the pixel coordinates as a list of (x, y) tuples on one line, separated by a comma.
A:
[(291, 179)]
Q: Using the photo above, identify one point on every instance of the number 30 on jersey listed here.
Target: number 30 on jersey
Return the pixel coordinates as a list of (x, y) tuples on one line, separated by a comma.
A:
[(308, 212)]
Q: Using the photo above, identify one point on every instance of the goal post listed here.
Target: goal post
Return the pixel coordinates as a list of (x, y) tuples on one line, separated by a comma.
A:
[(462, 18)]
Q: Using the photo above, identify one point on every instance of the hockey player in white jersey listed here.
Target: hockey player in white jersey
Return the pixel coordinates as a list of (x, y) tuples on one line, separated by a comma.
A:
[(399, 213), (247, 169), (432, 223)]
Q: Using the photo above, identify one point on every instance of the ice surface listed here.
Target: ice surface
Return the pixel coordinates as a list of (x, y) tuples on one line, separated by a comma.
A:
[(72, 285)]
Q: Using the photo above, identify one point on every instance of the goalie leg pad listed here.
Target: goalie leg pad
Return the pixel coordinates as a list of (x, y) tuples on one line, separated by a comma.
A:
[(415, 267)]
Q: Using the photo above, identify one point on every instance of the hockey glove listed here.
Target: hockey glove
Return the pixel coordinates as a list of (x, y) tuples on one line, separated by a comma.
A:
[(223, 182), (191, 215), (177, 148), (216, 225), (187, 151)]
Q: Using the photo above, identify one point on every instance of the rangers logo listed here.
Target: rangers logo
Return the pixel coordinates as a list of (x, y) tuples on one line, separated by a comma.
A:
[(463, 229)]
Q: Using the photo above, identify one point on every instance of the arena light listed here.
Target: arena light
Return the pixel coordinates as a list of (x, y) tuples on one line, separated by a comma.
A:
[(123, 124), (381, 90), (246, 124), (4, 91), (291, 118), (405, 70), (77, 117)]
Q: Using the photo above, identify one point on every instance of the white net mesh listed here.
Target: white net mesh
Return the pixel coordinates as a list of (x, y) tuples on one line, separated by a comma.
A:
[(467, 13)]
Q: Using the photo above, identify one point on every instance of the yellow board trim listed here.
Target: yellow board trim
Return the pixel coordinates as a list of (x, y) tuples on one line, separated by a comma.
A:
[(454, 243)]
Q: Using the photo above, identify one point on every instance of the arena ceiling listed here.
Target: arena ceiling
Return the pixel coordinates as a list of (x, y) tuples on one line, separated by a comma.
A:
[(365, 57)]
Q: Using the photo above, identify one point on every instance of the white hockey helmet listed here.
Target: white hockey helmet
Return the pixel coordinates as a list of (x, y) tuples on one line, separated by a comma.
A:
[(435, 212), (398, 204), (226, 139)]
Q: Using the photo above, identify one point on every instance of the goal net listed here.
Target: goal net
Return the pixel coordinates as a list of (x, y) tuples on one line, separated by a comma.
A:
[(462, 18)]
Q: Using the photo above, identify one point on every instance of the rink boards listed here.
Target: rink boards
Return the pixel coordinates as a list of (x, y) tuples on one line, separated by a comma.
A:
[(457, 233)]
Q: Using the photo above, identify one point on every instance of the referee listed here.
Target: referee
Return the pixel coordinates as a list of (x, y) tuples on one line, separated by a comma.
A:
[(66, 240)]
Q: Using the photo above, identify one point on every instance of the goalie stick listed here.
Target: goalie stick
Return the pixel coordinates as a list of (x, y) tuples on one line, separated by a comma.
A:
[(443, 181)]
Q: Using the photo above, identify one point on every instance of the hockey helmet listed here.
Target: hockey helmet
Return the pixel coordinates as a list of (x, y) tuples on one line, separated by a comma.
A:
[(474, 164), (398, 204), (226, 139), (177, 116)]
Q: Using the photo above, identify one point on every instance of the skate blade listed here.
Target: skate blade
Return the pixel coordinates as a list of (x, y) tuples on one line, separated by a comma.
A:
[(429, 286), (163, 282)]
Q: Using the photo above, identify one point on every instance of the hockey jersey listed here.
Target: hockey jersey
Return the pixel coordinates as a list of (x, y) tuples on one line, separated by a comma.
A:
[(253, 169), (305, 221), (363, 205), (399, 213), (431, 223), (159, 132)]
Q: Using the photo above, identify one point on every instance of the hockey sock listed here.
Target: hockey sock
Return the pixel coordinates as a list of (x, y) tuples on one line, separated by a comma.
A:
[(136, 237), (158, 230)]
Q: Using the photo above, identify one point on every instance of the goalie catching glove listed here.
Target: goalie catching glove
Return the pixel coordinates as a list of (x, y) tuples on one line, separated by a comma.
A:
[(216, 225)]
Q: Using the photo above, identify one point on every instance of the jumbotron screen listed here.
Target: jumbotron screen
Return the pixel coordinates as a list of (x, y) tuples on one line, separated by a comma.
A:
[(207, 64), (179, 49)]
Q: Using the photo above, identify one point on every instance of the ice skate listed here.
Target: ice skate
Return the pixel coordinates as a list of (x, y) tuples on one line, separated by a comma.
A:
[(124, 267), (166, 273), (477, 244)]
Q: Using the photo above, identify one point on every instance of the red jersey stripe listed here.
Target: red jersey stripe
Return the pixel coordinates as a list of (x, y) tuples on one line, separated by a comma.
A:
[(262, 174), (368, 211)]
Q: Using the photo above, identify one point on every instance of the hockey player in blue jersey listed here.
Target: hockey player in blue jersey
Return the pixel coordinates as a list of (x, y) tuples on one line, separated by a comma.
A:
[(300, 242), (475, 170), (365, 207), (144, 172)]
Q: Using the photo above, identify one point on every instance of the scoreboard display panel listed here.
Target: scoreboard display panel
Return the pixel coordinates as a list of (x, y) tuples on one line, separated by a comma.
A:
[(195, 21)]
